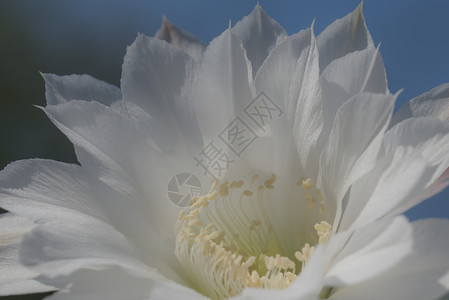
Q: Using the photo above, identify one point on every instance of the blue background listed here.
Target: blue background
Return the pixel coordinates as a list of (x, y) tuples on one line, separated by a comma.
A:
[(90, 36)]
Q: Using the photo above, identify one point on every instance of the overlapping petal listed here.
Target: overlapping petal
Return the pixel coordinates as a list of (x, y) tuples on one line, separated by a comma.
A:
[(60, 89), (421, 274), (15, 278), (181, 39), (221, 86), (434, 103), (259, 34), (343, 36)]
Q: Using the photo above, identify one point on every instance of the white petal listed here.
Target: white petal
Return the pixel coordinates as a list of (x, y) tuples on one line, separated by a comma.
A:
[(259, 34), (153, 76), (221, 89), (121, 152), (434, 103), (370, 251), (60, 89), (307, 108), (343, 36), (45, 190), (421, 275), (61, 194), (275, 75), (14, 277), (345, 77), (287, 77), (56, 249), (428, 136), (114, 283), (436, 187), (353, 144), (395, 180), (358, 72), (181, 39)]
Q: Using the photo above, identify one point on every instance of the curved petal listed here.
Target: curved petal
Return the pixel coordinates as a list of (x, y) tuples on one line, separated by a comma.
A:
[(63, 195), (343, 36), (358, 72), (275, 75), (121, 152), (114, 283), (434, 103), (428, 136), (355, 73), (287, 76), (14, 277), (60, 89), (307, 108), (181, 39), (370, 252), (353, 145), (395, 180), (291, 76), (153, 75), (422, 274), (259, 34), (56, 249), (221, 88)]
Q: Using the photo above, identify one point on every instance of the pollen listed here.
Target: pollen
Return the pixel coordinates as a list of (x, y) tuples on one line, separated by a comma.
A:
[(243, 244)]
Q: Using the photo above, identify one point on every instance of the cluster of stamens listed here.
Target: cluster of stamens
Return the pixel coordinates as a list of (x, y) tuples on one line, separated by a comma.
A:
[(227, 242)]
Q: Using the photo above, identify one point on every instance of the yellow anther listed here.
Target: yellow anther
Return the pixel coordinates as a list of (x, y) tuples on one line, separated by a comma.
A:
[(239, 184), (223, 189), (307, 184), (247, 193), (254, 178), (213, 235), (238, 260), (260, 187), (215, 184), (181, 214), (305, 253), (186, 230), (323, 231), (195, 222), (193, 200), (209, 226), (269, 183), (269, 262), (213, 195), (202, 201), (250, 261), (256, 222)]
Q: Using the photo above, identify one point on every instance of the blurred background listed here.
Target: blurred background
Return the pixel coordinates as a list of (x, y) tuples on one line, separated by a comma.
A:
[(90, 37)]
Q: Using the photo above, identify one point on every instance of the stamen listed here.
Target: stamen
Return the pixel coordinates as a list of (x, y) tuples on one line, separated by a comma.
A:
[(239, 247)]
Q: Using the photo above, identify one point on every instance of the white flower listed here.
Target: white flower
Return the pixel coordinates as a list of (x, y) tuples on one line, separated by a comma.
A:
[(310, 179)]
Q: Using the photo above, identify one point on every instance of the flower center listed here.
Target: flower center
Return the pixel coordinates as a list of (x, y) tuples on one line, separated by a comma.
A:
[(238, 236)]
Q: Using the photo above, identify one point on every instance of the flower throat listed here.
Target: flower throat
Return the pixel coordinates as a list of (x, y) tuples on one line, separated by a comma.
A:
[(232, 238)]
